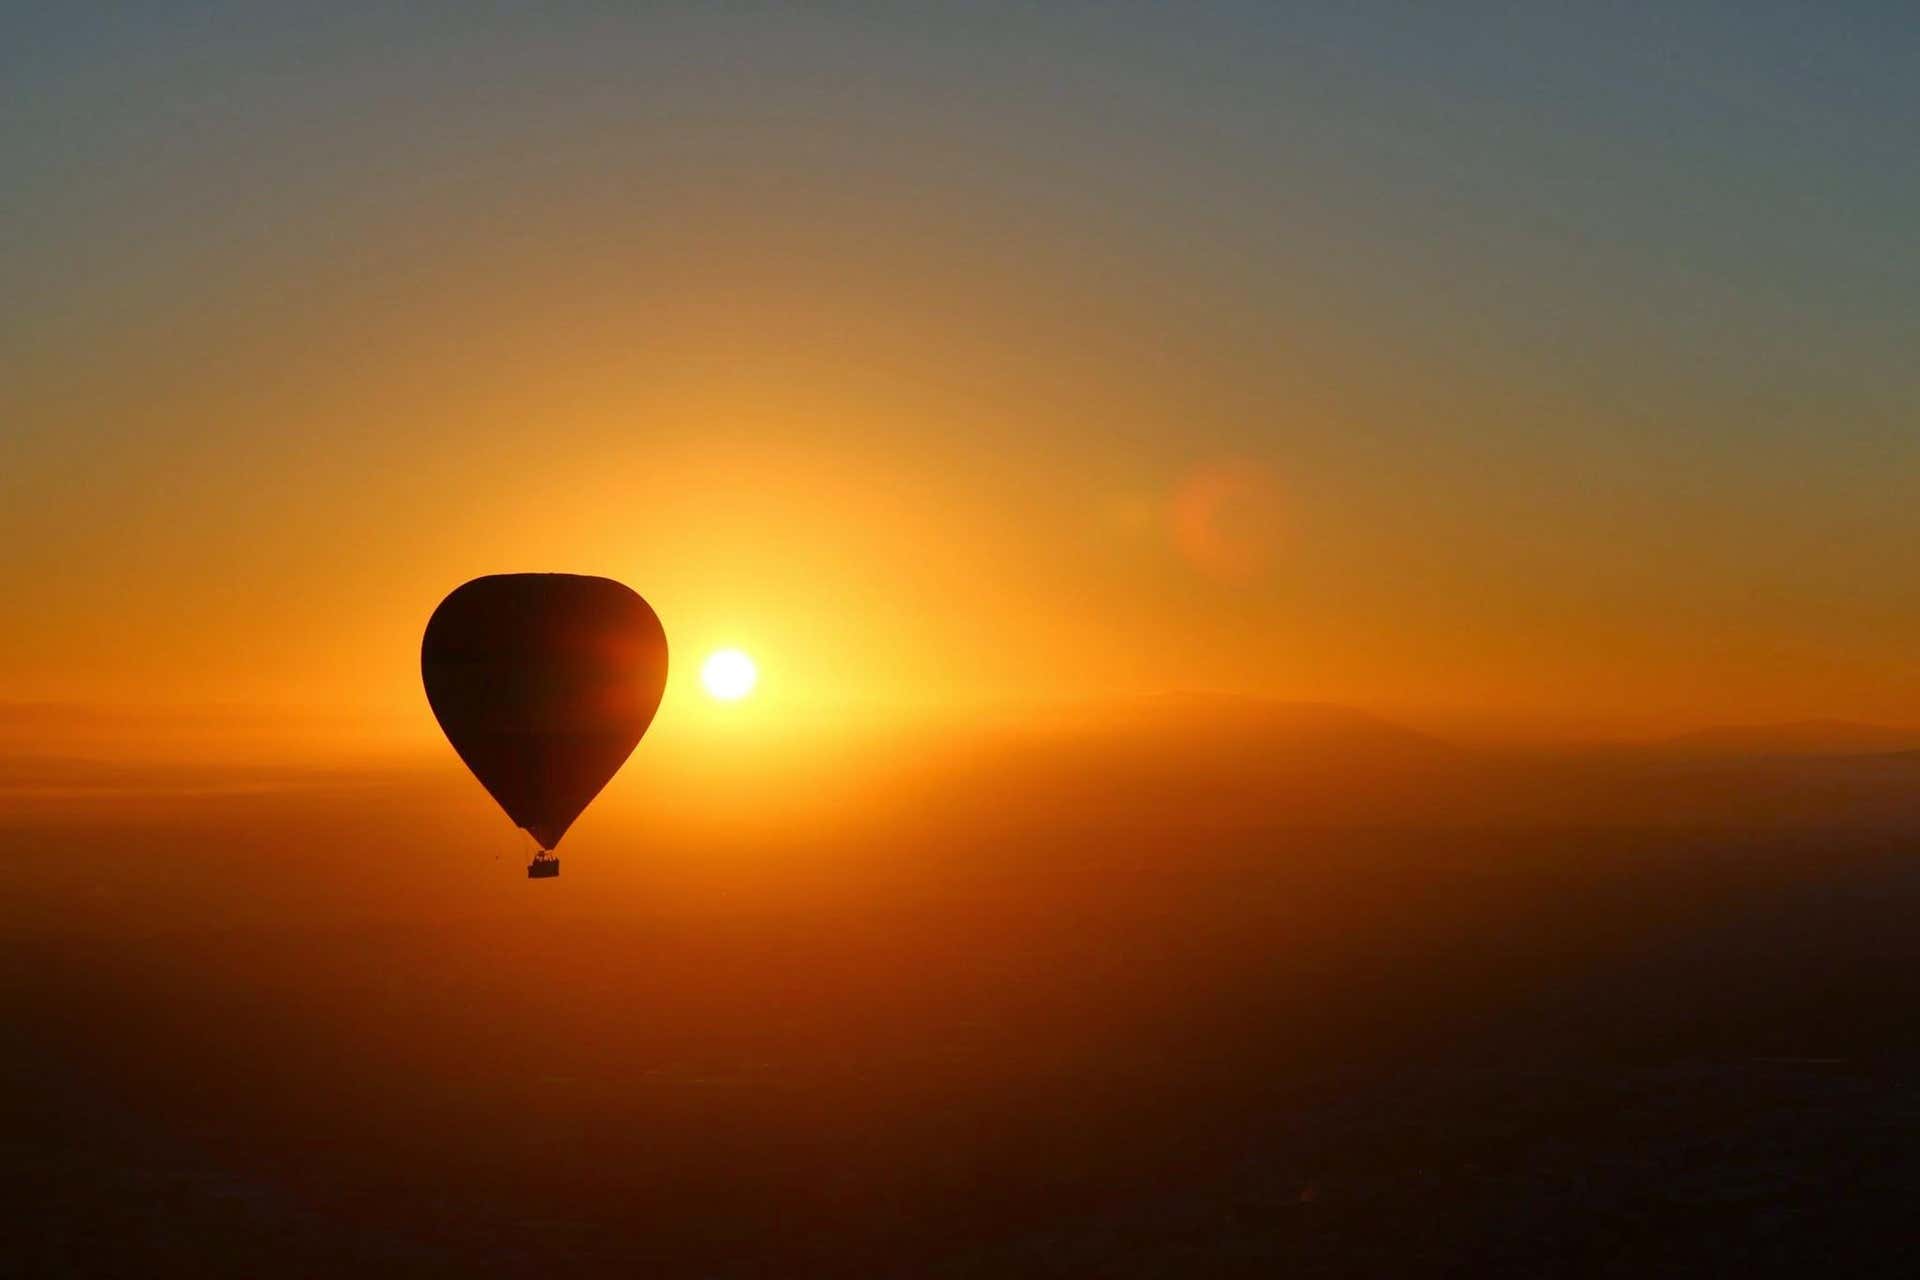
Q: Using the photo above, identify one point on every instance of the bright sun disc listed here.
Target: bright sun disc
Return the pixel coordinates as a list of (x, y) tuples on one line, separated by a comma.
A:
[(729, 674)]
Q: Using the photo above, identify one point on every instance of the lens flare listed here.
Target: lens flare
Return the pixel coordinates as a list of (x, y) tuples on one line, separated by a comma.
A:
[(1226, 521)]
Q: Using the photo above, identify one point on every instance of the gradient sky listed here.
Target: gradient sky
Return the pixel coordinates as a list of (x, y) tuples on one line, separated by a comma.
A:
[(1522, 359)]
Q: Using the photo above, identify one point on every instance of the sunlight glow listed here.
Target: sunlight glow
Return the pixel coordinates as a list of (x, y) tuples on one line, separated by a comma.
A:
[(729, 675)]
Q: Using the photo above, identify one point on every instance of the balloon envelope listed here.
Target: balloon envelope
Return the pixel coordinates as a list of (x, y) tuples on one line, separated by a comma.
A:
[(544, 683)]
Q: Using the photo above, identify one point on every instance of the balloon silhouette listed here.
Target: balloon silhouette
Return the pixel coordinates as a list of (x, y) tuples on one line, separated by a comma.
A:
[(544, 683)]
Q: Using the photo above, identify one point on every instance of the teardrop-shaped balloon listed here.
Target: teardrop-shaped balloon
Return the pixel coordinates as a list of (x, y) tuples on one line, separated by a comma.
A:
[(544, 683)]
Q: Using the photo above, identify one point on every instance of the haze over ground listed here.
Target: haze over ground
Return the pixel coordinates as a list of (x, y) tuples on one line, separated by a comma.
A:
[(1217, 991)]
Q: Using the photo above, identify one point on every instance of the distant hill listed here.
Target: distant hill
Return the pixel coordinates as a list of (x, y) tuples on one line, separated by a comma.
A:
[(1797, 738), (1204, 758), (47, 777), (1175, 722)]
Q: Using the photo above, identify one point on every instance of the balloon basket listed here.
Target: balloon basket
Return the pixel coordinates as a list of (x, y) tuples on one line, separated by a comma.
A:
[(543, 868)]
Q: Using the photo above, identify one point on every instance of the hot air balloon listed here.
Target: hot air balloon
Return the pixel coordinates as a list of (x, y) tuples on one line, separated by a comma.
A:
[(544, 684)]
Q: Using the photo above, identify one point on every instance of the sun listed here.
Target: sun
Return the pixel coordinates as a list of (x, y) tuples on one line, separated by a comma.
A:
[(729, 675)]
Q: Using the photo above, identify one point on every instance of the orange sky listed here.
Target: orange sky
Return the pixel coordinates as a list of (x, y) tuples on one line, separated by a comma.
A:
[(935, 397)]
